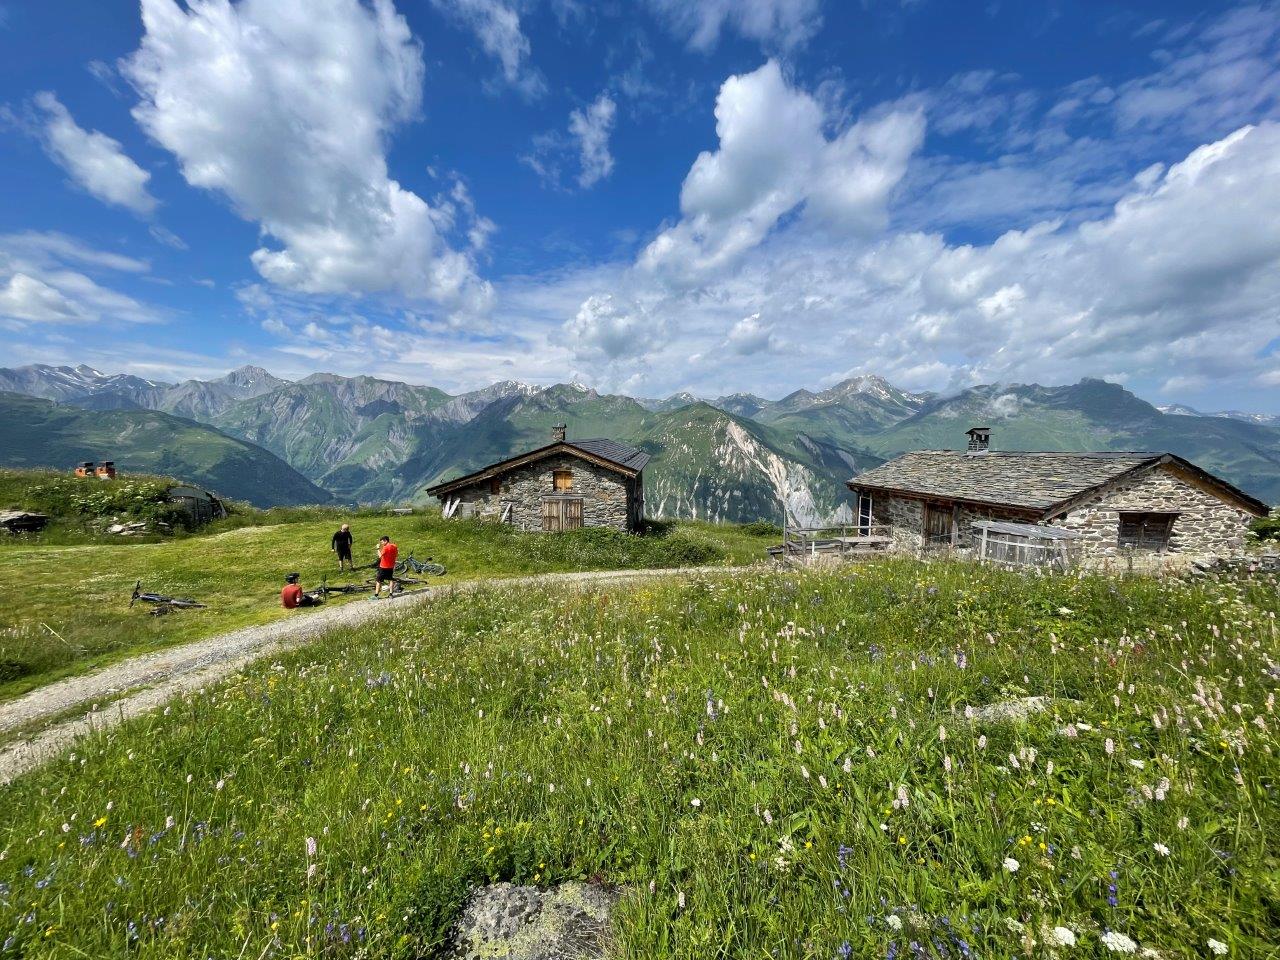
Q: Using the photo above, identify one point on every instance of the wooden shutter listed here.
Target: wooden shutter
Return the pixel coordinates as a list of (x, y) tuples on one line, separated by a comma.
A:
[(572, 514), (562, 480), (1146, 531)]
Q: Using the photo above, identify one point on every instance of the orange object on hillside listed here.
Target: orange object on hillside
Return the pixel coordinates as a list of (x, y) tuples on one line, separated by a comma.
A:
[(106, 470)]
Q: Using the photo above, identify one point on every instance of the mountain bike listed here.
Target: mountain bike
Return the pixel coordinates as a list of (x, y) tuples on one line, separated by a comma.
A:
[(420, 566), (162, 603)]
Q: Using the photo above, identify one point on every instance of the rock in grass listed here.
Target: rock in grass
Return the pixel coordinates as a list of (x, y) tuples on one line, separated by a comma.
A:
[(569, 922)]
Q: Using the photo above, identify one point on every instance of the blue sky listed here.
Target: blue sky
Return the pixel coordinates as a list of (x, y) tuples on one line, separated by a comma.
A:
[(715, 195)]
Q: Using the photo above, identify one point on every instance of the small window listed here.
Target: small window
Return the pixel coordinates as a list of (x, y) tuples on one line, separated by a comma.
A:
[(563, 479), (495, 484), (1146, 531)]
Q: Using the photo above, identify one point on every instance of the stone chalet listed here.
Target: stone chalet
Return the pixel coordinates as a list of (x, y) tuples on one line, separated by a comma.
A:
[(1153, 508), (563, 486)]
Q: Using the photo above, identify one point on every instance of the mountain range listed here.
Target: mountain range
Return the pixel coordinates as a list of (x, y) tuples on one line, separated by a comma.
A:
[(738, 457)]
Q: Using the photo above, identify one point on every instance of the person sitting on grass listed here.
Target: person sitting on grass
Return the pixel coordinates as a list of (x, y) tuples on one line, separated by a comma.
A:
[(292, 596), (341, 545), (387, 553)]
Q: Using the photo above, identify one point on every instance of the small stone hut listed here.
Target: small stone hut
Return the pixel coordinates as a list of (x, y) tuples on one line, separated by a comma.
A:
[(1147, 510), (563, 486), (200, 505)]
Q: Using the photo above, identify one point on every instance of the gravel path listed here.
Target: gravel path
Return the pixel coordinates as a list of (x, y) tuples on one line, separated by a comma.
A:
[(145, 682)]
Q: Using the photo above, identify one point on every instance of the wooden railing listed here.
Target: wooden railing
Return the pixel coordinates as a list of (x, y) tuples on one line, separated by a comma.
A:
[(834, 539)]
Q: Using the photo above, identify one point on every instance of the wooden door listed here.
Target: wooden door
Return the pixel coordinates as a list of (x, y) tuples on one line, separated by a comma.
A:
[(572, 515), (551, 522), (937, 525), (561, 513)]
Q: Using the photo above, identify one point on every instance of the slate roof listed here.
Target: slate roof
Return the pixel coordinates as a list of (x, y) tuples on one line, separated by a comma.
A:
[(627, 459), (619, 453), (1036, 482)]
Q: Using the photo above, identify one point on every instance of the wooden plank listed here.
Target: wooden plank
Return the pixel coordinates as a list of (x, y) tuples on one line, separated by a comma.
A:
[(572, 514)]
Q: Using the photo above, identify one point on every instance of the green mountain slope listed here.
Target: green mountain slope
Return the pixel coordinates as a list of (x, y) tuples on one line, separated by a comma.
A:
[(39, 433), (712, 465), (517, 423), (343, 433)]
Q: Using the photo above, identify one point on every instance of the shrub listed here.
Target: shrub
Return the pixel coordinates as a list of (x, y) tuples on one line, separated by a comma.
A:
[(1268, 527)]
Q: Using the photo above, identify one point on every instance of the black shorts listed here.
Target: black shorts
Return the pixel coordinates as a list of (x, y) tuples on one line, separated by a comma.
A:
[(384, 574), (344, 553)]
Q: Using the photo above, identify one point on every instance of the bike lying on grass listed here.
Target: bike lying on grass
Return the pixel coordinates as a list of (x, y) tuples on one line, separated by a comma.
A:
[(163, 604), (420, 566)]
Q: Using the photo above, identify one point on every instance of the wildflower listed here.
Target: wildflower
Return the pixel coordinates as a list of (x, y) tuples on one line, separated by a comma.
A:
[(695, 803), (100, 821), (1118, 942), (1062, 937), (1011, 864), (894, 921), (1183, 823), (1161, 849), (1109, 746), (1217, 947)]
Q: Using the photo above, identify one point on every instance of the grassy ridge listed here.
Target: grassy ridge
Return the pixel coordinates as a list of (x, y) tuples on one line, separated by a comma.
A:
[(777, 766), (64, 608), (39, 433)]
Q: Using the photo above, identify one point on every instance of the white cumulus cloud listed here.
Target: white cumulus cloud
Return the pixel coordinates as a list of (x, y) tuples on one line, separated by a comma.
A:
[(774, 158), (285, 107), (93, 160), (44, 278), (751, 335), (610, 328)]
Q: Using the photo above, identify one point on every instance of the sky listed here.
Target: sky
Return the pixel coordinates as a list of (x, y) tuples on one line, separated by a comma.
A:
[(648, 196)]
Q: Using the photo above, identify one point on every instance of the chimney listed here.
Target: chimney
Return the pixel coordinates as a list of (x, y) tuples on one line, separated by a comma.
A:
[(557, 433), (979, 439)]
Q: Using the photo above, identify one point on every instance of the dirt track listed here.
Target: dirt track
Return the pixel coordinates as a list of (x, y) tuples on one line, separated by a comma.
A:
[(142, 683)]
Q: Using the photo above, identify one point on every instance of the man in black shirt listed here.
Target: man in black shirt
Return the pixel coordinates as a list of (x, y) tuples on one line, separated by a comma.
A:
[(341, 545)]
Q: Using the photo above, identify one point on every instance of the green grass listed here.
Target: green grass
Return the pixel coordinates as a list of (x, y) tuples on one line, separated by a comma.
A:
[(774, 765), (64, 607)]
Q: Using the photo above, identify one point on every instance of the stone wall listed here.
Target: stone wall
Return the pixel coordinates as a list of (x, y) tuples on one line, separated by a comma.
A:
[(607, 497), (1206, 525), (904, 516)]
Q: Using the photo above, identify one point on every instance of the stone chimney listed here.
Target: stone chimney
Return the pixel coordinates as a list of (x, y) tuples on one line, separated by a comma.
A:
[(979, 439), (557, 433)]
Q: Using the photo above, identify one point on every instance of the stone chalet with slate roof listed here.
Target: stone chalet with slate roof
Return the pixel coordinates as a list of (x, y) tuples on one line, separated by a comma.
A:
[(1151, 510), (563, 486)]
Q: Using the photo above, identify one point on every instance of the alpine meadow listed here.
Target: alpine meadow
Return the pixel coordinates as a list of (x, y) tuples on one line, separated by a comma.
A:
[(658, 480)]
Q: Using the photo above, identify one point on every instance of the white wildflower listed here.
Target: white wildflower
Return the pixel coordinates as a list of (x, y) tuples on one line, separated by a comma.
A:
[(1062, 937), (1011, 864), (1161, 849), (1217, 946), (894, 921), (695, 803), (1118, 942)]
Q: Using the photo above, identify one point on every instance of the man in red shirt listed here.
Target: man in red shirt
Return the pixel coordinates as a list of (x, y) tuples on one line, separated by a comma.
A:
[(387, 553), (292, 596)]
